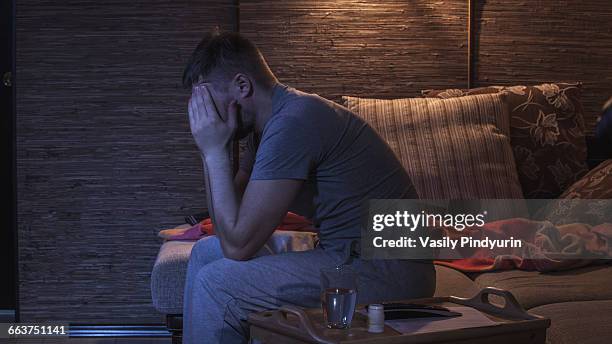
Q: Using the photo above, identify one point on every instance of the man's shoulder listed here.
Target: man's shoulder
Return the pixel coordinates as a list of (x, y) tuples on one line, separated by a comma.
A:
[(303, 102), (306, 110)]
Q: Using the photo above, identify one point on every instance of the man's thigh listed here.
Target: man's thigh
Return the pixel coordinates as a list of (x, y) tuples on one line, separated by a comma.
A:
[(268, 282)]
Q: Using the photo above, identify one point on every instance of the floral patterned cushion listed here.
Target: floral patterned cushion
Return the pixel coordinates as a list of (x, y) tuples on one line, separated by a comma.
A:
[(597, 184), (546, 132), (589, 200)]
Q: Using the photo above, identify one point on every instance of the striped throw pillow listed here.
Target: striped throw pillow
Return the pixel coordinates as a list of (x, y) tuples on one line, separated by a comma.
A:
[(456, 148), (546, 133)]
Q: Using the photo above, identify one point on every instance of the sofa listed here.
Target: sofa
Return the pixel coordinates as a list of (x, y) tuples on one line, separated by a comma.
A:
[(578, 302), (540, 153)]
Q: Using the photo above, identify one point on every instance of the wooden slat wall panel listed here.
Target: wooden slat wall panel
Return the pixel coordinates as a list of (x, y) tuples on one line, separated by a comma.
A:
[(105, 156), (388, 48), (548, 40)]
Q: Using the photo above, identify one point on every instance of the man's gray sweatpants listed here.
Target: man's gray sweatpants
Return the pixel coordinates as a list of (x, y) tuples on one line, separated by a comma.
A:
[(220, 292)]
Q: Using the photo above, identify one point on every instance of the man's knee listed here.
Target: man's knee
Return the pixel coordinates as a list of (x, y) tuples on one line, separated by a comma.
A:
[(206, 250), (221, 276)]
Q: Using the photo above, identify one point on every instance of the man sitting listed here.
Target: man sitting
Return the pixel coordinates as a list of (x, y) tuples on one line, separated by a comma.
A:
[(306, 154)]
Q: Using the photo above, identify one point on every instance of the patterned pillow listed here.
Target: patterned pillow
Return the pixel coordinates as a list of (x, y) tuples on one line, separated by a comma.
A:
[(597, 184), (546, 132), (589, 200), (451, 148)]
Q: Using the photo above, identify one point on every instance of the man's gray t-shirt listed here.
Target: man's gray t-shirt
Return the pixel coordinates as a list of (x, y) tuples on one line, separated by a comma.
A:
[(342, 160)]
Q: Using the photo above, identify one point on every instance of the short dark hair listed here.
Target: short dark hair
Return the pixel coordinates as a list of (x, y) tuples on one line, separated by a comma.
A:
[(227, 53)]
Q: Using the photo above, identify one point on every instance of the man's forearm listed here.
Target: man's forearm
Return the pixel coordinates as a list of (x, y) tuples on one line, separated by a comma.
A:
[(223, 203)]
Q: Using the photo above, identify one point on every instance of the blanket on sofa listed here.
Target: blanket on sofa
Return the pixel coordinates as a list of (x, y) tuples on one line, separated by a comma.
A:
[(546, 247), (291, 222)]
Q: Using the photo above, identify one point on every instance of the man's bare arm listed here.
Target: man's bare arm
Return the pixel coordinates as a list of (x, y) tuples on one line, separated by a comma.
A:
[(244, 226), (241, 179)]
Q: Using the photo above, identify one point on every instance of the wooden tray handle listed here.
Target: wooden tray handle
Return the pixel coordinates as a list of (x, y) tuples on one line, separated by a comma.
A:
[(480, 301), (304, 326)]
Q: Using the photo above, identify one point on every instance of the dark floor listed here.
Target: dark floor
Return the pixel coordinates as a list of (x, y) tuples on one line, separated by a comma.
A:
[(84, 340), (8, 317)]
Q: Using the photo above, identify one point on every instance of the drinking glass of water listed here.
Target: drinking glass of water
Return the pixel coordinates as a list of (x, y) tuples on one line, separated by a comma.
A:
[(338, 295)]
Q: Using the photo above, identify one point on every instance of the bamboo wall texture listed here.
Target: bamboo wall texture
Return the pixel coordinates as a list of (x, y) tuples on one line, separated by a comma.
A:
[(105, 157), (548, 40), (387, 48)]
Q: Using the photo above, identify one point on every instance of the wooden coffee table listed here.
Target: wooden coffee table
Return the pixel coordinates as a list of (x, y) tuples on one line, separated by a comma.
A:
[(509, 324)]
